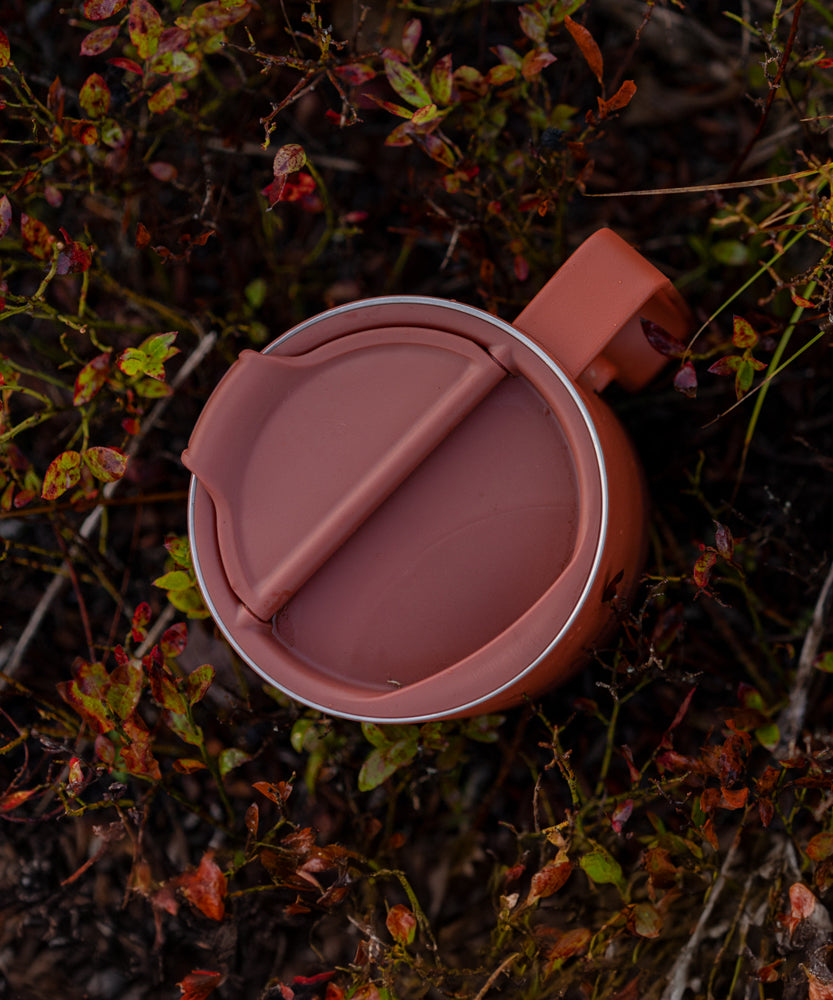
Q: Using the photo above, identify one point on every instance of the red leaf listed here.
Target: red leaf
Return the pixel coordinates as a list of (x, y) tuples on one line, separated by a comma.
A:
[(549, 880), (144, 26), (95, 96), (74, 258), (5, 215), (11, 800), (411, 34), (141, 620), (199, 984), (621, 815), (621, 99), (127, 64), (533, 24), (97, 10), (205, 888), (99, 40), (355, 73), (174, 640), (571, 943), (534, 62), (589, 49), (63, 473), (163, 100), (252, 819), (136, 754), (106, 464), (820, 847), (521, 267), (162, 172), (743, 336), (277, 793), (90, 379), (37, 239), (661, 340), (685, 381), (5, 51), (401, 923), (703, 567), (723, 540), (818, 989), (802, 902)]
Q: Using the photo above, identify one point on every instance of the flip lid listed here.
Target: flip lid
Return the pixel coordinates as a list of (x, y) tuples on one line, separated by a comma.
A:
[(376, 506)]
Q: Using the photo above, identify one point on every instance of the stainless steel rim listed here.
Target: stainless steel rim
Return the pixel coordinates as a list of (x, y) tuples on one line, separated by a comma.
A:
[(479, 314)]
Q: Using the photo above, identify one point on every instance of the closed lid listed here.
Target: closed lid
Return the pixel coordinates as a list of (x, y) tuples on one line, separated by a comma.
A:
[(379, 504)]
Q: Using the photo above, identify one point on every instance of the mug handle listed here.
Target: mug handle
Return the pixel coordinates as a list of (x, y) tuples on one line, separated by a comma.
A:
[(587, 316)]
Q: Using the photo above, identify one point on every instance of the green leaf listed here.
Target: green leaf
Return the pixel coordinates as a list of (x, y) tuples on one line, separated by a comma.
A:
[(176, 579), (385, 761), (601, 867), (125, 688), (94, 96), (63, 473), (198, 682), (92, 377), (179, 550), (163, 100), (441, 80), (5, 51), (374, 734), (768, 735), (730, 252), (144, 26), (107, 464), (406, 83), (230, 758), (647, 920), (743, 335), (825, 663)]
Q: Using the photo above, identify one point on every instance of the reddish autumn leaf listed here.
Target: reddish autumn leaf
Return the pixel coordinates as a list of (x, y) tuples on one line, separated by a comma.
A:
[(621, 815), (411, 34), (74, 258), (136, 753), (743, 336), (99, 40), (662, 872), (205, 888), (288, 159), (125, 688), (572, 942), (252, 819), (401, 923), (278, 793), (188, 765), (163, 100), (533, 24), (97, 10), (162, 172), (142, 236), (588, 47), (661, 340), (685, 381), (723, 540), (11, 800), (127, 64), (217, 15), (198, 682), (521, 267), (769, 973), (820, 847), (621, 99), (174, 640), (94, 96), (5, 51), (144, 26), (199, 984), (37, 239), (354, 74), (141, 620), (548, 880), (106, 464), (63, 473), (75, 776), (703, 567), (84, 132), (5, 215), (534, 62)]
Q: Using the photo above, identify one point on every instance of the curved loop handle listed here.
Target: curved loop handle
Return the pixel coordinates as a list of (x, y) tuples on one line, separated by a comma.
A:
[(587, 316)]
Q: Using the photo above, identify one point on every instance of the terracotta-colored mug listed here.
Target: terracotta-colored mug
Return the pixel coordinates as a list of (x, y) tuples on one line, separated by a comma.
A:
[(407, 509)]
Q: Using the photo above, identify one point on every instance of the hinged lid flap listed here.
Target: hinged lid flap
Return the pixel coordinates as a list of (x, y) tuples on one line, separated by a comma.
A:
[(296, 452)]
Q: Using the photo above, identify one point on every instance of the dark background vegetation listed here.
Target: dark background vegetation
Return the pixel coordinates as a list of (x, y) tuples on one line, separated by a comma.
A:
[(661, 826)]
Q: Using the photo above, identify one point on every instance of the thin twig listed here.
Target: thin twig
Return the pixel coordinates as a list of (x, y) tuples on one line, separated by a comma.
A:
[(773, 90), (792, 717), (91, 522), (490, 981), (679, 979)]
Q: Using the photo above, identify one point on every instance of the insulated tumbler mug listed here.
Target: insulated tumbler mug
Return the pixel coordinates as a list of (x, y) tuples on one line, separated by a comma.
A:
[(407, 509)]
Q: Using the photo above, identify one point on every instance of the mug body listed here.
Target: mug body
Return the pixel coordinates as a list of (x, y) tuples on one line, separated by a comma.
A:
[(404, 509)]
